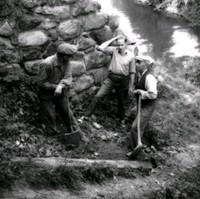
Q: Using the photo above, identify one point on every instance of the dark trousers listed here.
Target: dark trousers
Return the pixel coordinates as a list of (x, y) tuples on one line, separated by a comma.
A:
[(107, 86), (61, 104), (145, 116)]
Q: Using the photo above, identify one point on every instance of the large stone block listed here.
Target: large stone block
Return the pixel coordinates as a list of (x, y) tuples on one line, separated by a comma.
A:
[(85, 42), (96, 59), (48, 24), (32, 38), (70, 29), (6, 30), (11, 56), (30, 53), (60, 12), (113, 22), (94, 21), (28, 22), (78, 8), (32, 67), (99, 75), (5, 43), (68, 1), (6, 8), (102, 35), (92, 6), (84, 82), (83, 96), (78, 68), (30, 3)]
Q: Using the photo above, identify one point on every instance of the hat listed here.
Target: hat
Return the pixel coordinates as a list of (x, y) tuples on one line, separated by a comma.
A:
[(67, 49), (131, 41), (146, 59)]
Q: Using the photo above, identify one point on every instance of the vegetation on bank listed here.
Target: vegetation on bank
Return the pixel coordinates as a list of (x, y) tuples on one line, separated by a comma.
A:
[(187, 9)]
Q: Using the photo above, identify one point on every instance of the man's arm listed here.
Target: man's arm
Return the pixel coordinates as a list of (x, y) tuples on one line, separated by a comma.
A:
[(132, 72), (43, 78), (67, 79), (104, 47)]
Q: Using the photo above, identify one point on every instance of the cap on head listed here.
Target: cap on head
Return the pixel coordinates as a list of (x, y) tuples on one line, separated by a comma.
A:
[(131, 41), (145, 58), (67, 49)]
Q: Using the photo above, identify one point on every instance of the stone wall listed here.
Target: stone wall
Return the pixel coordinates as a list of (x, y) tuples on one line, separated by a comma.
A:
[(31, 30)]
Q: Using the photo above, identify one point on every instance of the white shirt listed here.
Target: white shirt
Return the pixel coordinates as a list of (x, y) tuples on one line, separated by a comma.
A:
[(151, 87)]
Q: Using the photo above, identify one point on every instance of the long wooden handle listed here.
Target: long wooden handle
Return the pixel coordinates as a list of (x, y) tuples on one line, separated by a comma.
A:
[(138, 119)]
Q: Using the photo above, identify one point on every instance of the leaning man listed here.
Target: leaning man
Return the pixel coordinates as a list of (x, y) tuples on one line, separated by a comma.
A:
[(146, 87), (54, 80)]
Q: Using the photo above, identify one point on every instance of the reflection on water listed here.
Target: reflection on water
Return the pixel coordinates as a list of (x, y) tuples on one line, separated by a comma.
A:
[(157, 34)]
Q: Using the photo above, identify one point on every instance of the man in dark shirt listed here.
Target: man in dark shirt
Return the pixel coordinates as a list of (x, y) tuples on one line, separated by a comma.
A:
[(54, 80)]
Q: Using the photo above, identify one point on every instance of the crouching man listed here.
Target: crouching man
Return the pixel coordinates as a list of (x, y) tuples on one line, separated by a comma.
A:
[(146, 92), (54, 80)]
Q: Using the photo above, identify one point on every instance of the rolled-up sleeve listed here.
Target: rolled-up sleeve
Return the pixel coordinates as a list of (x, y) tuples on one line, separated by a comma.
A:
[(43, 77), (151, 88)]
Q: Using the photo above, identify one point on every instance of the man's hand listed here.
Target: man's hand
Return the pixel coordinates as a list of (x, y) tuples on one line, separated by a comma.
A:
[(58, 90), (137, 91)]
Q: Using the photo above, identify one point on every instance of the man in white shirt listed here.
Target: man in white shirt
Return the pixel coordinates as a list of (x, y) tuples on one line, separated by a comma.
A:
[(120, 71), (146, 86)]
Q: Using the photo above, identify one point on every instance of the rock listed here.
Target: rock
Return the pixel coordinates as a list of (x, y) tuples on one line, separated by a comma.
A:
[(30, 3), (5, 8), (30, 53), (59, 12), (70, 29), (5, 43), (81, 97), (96, 125), (6, 30), (84, 82), (96, 59), (94, 21), (50, 50), (78, 8), (78, 68), (113, 22), (48, 24), (102, 35), (92, 6), (32, 38), (11, 56), (89, 50), (99, 75), (68, 1), (85, 42), (79, 55), (32, 67), (27, 22), (53, 34)]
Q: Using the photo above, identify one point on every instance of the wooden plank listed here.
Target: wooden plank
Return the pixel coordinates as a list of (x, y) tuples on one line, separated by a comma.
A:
[(81, 163)]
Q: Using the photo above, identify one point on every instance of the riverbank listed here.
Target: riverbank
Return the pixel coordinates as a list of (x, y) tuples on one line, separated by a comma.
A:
[(189, 10)]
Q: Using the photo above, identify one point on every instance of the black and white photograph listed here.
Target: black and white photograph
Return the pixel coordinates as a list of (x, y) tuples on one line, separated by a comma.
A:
[(99, 99)]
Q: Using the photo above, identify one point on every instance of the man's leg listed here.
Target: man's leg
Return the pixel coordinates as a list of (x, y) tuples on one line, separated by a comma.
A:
[(145, 116), (47, 107), (62, 105), (105, 89), (121, 103)]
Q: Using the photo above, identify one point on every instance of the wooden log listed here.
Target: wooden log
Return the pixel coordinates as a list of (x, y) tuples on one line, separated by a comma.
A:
[(82, 163)]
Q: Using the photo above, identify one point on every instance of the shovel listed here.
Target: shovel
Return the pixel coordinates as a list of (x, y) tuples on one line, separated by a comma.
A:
[(138, 148)]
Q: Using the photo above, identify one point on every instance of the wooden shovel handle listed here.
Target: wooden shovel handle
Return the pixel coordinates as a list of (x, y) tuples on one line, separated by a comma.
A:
[(138, 119)]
